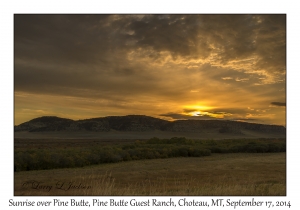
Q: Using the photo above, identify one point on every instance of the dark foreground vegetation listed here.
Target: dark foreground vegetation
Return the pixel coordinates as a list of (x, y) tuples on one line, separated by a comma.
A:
[(49, 158)]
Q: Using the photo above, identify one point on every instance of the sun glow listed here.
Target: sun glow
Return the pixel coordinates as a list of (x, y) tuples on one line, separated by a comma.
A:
[(203, 111), (198, 107), (196, 113), (197, 110)]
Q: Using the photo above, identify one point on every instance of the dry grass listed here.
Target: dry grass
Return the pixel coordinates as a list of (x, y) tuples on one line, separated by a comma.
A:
[(219, 174)]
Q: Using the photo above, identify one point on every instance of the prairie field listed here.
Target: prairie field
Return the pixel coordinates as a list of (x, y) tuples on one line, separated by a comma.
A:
[(236, 174)]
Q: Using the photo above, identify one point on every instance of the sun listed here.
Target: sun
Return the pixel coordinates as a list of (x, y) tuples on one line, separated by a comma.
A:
[(195, 113), (197, 110), (203, 111)]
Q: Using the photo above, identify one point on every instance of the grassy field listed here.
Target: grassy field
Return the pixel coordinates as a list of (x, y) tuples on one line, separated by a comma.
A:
[(255, 174)]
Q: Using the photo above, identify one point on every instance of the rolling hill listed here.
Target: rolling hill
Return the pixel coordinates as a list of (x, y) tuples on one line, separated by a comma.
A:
[(140, 125)]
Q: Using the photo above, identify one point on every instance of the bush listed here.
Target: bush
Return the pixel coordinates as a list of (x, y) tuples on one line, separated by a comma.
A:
[(37, 159)]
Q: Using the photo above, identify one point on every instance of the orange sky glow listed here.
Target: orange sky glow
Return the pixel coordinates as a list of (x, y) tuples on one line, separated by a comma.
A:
[(225, 67)]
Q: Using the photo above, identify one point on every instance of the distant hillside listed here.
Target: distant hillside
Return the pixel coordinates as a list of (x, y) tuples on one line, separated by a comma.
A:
[(141, 123), (47, 123)]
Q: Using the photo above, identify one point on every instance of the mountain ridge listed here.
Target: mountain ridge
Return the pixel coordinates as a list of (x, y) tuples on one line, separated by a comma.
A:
[(141, 123)]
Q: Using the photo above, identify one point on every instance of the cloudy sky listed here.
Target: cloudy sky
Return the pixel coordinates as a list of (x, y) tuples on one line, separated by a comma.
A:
[(230, 67)]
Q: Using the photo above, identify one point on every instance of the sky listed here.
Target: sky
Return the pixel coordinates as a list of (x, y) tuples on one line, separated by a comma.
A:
[(226, 67)]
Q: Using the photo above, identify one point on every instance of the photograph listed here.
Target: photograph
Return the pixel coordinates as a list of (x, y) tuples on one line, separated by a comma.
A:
[(149, 104)]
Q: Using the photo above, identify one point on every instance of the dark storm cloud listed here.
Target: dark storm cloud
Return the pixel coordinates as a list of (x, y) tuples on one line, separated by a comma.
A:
[(243, 36), (178, 34), (278, 103), (78, 47), (54, 53), (234, 36), (60, 38)]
